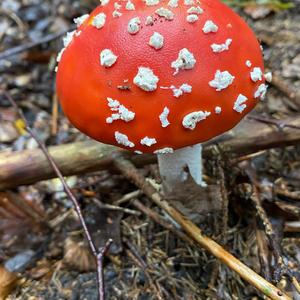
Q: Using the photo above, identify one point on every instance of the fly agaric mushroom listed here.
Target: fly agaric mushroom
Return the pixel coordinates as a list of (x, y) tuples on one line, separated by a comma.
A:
[(158, 77)]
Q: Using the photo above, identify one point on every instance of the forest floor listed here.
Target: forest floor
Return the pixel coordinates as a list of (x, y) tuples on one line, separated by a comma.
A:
[(44, 245)]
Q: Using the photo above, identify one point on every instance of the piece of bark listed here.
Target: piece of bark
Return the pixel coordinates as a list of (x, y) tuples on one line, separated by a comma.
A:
[(251, 136), (30, 166)]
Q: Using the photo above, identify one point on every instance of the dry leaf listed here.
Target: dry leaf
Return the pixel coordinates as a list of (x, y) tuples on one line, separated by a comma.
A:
[(193, 200), (8, 282), (78, 255), (8, 132), (257, 11)]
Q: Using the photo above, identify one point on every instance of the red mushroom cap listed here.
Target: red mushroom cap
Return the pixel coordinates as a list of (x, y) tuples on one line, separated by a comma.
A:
[(153, 76)]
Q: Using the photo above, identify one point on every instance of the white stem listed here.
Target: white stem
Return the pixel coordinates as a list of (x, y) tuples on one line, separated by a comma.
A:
[(173, 167)]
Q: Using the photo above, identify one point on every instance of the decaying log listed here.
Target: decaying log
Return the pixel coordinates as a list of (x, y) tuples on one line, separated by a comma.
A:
[(30, 166), (251, 136), (25, 167)]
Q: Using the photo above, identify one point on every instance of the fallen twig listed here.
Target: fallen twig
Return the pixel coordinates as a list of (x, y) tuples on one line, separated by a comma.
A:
[(22, 48), (242, 158), (263, 252), (296, 284), (100, 256), (115, 208), (279, 123), (30, 166), (54, 117), (141, 262), (14, 17), (97, 254), (255, 197), (280, 266), (128, 197), (129, 171), (285, 88), (137, 259), (159, 220), (225, 201)]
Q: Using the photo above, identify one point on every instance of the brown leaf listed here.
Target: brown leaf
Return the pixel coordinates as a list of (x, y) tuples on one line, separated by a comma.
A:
[(78, 255), (8, 132), (194, 200), (18, 215), (8, 282), (257, 11)]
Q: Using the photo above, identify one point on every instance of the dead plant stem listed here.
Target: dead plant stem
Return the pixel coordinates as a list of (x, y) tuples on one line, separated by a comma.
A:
[(99, 255)]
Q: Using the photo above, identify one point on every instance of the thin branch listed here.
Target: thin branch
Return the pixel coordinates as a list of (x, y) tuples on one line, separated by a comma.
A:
[(283, 86), (279, 123), (296, 284), (115, 208), (97, 254), (128, 197), (14, 17), (162, 222), (135, 256), (280, 267), (263, 252), (253, 190), (54, 122), (57, 171), (100, 258), (265, 287), (225, 201), (22, 48), (141, 262)]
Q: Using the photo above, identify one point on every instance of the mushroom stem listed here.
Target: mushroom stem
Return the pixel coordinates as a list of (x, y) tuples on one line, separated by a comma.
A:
[(174, 168)]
